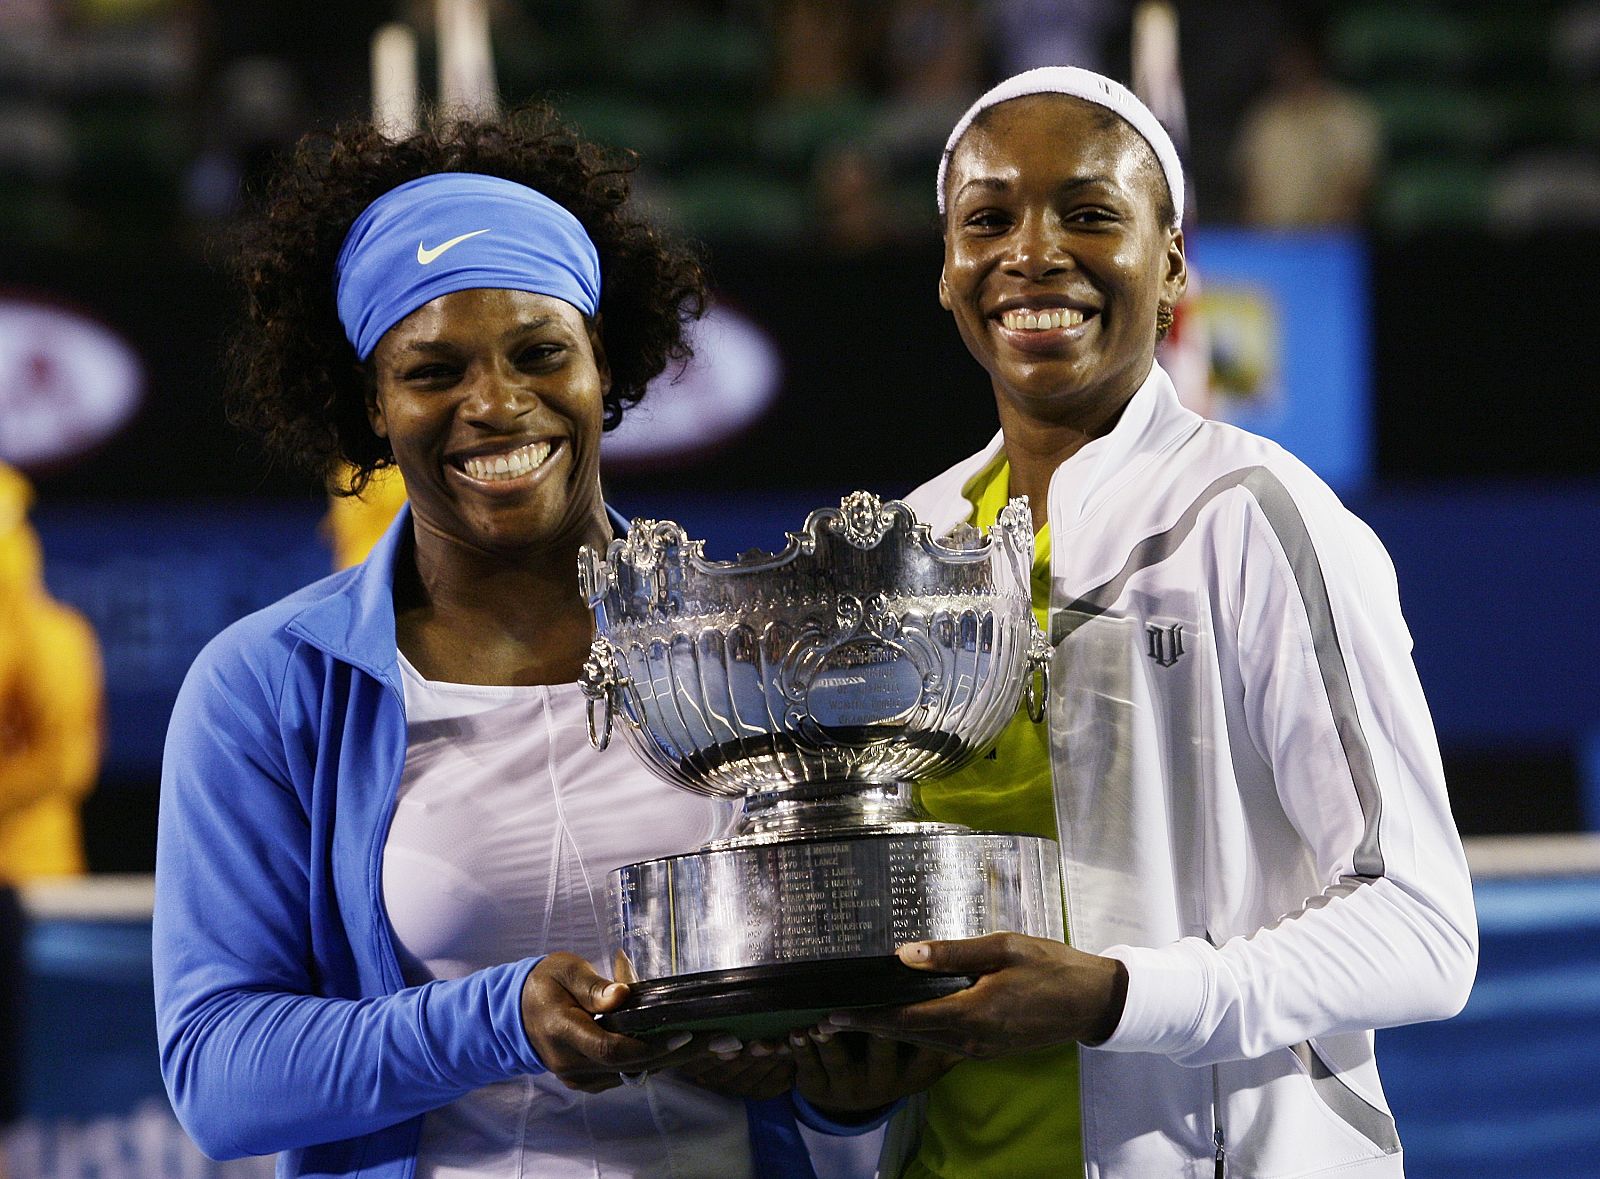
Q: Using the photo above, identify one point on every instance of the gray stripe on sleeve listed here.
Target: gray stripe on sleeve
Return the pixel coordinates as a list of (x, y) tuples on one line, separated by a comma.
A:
[(1283, 516)]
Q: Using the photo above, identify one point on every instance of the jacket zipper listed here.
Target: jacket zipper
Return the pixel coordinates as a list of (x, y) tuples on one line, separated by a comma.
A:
[(1217, 1139), (1216, 1125), (1066, 893)]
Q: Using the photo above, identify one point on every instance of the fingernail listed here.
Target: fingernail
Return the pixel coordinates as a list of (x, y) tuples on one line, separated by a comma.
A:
[(679, 1040), (612, 991), (841, 1019), (725, 1043), (915, 952), (760, 1049), (821, 1037), (797, 1039), (725, 1057)]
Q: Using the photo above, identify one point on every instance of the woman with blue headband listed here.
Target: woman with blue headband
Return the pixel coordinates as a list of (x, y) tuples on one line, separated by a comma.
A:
[(384, 837), (1258, 859)]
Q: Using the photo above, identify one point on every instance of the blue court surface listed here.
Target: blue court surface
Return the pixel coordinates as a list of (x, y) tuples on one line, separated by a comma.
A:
[(1509, 1088)]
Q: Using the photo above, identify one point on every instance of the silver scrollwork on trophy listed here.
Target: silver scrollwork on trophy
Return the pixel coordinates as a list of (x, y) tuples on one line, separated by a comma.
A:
[(818, 684)]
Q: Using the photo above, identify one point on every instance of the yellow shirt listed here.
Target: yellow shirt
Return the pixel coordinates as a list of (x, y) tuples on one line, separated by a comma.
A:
[(50, 715), (1019, 1116)]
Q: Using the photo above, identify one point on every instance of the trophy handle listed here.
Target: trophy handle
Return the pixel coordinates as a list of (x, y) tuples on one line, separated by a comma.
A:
[(601, 739), (1036, 688), (602, 682)]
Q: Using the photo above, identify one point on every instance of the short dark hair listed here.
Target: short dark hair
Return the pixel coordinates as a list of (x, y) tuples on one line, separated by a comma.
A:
[(294, 376)]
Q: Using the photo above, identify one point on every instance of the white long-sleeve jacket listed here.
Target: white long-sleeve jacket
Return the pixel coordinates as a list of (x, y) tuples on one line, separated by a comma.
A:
[(1250, 800)]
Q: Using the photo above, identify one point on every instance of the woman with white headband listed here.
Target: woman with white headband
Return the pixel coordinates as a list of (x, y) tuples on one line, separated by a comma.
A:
[(384, 836), (1259, 861)]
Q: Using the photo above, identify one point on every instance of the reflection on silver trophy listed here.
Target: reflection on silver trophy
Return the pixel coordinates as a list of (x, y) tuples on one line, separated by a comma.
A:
[(817, 684)]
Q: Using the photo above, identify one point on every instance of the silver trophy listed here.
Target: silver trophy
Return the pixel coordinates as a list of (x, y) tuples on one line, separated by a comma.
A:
[(818, 684)]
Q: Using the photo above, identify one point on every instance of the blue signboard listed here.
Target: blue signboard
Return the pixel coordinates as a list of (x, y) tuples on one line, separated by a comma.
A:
[(157, 581), (1286, 319)]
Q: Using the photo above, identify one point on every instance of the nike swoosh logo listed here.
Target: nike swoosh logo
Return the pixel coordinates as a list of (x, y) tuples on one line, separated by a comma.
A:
[(425, 255)]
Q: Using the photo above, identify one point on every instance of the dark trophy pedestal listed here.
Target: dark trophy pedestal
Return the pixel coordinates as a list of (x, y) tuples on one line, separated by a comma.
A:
[(768, 1002)]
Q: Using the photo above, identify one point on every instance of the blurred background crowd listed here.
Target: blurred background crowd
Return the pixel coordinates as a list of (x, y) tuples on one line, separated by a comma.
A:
[(1396, 225), (127, 122)]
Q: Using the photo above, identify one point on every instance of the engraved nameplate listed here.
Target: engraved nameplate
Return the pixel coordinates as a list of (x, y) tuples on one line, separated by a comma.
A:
[(867, 682), (810, 900)]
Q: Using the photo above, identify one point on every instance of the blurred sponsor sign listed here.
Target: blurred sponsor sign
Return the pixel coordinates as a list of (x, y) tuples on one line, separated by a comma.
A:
[(730, 382), (67, 383), (157, 581), (1287, 319)]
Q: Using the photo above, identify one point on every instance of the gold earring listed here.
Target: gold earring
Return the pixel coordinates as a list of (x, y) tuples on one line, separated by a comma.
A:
[(1163, 320)]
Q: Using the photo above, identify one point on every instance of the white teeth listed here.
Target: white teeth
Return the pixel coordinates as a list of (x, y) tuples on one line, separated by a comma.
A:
[(507, 466), (1036, 321)]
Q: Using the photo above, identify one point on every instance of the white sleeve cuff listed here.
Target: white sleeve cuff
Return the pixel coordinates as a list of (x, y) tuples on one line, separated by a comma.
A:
[(1169, 990)]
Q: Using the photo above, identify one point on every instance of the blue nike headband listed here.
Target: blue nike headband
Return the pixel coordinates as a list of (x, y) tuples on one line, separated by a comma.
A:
[(457, 231)]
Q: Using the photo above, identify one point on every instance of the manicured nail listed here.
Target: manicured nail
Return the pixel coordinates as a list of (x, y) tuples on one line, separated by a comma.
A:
[(915, 952), (724, 1043), (679, 1040)]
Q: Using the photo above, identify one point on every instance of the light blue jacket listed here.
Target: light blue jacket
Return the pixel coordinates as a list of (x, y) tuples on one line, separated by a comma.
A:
[(283, 1021)]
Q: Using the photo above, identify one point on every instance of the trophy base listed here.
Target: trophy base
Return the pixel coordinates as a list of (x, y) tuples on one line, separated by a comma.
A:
[(768, 1002), (758, 936)]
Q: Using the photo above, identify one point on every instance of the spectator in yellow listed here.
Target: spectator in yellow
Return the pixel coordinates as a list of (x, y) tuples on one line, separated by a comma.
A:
[(50, 706), (354, 523)]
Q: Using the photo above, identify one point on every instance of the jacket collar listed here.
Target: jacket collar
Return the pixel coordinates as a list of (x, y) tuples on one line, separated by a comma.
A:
[(1151, 424), (355, 623), (941, 503)]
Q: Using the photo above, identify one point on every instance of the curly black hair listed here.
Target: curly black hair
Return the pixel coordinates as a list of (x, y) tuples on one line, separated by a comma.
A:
[(294, 377)]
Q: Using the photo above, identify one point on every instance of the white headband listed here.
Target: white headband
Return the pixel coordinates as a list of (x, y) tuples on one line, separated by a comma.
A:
[(1091, 87)]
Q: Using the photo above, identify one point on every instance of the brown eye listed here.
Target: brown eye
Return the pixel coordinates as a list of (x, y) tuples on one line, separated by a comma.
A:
[(986, 219), (433, 371), (539, 353)]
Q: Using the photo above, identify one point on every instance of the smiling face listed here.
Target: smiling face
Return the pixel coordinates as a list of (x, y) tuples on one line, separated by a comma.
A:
[(491, 403), (1056, 257)]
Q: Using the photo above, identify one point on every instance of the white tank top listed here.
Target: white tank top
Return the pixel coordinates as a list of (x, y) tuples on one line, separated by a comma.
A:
[(506, 826)]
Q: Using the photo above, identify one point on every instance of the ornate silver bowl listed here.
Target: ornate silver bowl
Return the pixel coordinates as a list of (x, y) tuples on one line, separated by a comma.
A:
[(818, 683)]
